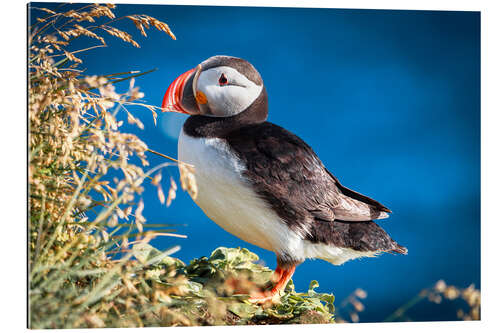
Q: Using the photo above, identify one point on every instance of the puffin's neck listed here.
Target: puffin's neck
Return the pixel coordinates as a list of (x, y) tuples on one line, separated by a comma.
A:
[(218, 127)]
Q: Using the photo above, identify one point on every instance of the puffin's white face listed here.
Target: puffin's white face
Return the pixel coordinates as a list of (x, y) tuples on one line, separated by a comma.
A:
[(221, 86), (225, 91)]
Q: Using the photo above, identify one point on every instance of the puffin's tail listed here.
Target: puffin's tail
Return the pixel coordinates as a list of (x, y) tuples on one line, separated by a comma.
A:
[(399, 249), (369, 236), (365, 236)]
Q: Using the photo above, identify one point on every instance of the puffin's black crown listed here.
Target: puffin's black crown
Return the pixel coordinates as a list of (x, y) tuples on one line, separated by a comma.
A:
[(241, 65)]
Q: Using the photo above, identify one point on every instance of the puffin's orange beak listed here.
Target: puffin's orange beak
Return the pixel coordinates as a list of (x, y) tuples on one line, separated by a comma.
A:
[(173, 96)]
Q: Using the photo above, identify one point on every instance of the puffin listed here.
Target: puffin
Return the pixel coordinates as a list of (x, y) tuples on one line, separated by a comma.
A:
[(262, 183)]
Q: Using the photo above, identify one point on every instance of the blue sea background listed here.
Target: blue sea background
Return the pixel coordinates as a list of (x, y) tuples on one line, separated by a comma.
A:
[(388, 99)]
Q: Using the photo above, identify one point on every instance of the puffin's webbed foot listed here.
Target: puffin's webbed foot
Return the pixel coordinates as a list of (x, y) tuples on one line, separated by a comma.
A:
[(281, 277)]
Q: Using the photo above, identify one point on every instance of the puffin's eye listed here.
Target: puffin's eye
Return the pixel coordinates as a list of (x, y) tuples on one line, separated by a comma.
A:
[(222, 80)]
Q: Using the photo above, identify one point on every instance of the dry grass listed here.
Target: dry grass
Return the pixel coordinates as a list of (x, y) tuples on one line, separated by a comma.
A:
[(85, 179), (439, 292), (469, 308)]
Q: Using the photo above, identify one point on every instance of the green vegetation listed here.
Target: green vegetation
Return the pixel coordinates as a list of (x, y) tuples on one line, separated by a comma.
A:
[(215, 290)]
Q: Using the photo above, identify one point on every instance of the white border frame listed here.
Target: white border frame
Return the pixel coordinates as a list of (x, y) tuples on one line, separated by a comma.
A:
[(14, 192)]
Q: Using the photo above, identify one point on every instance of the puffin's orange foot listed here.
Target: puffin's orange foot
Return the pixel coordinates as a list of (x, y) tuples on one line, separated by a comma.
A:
[(281, 276)]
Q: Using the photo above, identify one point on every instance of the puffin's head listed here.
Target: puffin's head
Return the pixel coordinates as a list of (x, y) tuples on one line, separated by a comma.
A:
[(221, 86)]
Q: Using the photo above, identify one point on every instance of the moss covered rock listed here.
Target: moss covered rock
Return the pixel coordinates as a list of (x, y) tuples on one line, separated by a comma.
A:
[(214, 291)]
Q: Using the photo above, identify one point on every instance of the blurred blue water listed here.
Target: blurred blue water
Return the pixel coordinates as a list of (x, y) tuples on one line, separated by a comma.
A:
[(389, 100)]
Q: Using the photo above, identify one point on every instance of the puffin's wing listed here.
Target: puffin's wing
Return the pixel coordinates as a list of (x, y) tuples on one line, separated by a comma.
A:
[(287, 174), (355, 206)]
